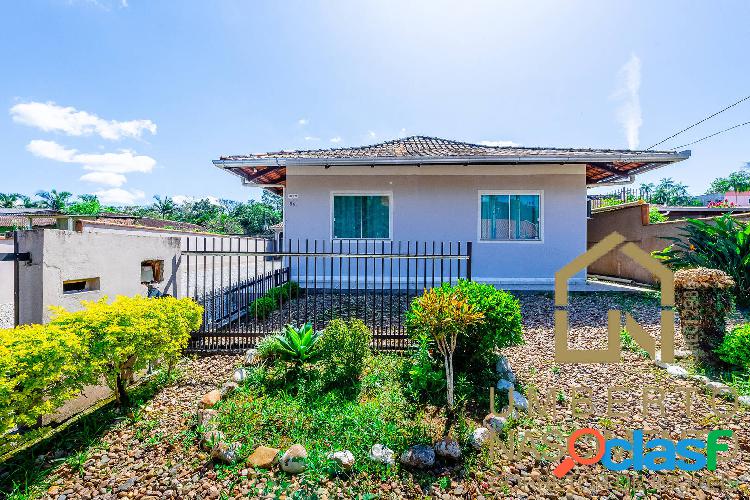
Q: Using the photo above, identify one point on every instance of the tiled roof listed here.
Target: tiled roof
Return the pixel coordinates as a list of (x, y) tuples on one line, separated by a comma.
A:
[(420, 146)]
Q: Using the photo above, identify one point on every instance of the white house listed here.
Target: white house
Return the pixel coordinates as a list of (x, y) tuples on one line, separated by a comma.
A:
[(524, 209)]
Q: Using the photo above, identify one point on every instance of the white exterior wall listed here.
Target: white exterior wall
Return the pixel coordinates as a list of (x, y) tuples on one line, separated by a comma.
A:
[(115, 259), (441, 203), (6, 272)]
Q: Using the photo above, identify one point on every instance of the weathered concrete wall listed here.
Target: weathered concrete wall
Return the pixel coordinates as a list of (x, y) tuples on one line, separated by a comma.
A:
[(115, 259), (631, 220)]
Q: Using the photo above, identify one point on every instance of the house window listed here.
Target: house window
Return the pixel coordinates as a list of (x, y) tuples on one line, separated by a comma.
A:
[(152, 271), (510, 217), (361, 216), (80, 285)]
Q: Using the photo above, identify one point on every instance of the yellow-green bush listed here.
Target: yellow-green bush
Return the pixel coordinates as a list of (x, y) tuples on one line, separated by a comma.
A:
[(41, 366), (127, 334)]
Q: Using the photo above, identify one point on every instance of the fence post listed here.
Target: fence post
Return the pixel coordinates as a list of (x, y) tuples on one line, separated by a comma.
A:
[(16, 281), (468, 260)]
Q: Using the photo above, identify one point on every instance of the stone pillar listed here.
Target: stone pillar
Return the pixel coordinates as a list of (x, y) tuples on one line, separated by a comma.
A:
[(703, 298)]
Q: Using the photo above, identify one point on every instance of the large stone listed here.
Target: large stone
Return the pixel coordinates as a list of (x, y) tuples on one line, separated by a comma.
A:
[(503, 386), (344, 458), (225, 452), (677, 371), (263, 457), (520, 402), (294, 460), (420, 456), (228, 388), (448, 448), (494, 422), (250, 356), (210, 399), (383, 454), (482, 437), (502, 367), (207, 419), (239, 375), (210, 438)]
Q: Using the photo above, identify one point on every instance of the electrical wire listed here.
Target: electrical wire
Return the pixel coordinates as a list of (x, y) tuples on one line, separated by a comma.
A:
[(712, 135), (698, 123)]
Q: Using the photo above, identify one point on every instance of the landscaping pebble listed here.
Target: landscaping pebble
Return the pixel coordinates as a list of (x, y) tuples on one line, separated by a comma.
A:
[(264, 457), (494, 422), (420, 456), (210, 399), (294, 460), (225, 452), (383, 454), (344, 458), (448, 448), (677, 371), (239, 375), (206, 418), (228, 388), (250, 356)]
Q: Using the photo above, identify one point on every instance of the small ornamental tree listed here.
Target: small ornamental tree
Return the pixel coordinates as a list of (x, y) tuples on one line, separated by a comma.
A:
[(444, 317)]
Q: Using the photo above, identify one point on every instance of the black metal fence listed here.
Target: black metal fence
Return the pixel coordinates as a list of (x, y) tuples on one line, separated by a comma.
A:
[(371, 280)]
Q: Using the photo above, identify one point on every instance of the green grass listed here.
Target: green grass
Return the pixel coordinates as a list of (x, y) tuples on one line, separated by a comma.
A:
[(264, 411), (629, 344)]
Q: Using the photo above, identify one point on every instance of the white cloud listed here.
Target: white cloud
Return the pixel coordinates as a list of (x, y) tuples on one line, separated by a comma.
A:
[(179, 199), (122, 162), (303, 121), (499, 144), (104, 178), (311, 138), (50, 117), (124, 4), (402, 133), (336, 139), (371, 134), (117, 196), (629, 111)]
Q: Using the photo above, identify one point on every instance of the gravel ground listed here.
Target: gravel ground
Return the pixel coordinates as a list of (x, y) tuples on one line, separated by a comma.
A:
[(156, 456), (6, 315)]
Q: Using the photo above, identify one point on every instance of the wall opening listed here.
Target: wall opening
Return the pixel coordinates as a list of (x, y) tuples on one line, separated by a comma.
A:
[(80, 285), (152, 271)]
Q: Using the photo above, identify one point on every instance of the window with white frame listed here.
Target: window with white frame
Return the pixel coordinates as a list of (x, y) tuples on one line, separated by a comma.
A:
[(510, 217), (361, 216)]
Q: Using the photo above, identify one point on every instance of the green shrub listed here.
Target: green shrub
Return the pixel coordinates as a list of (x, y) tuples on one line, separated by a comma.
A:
[(425, 375), (42, 366), (262, 307), (131, 332), (654, 216), (283, 293), (267, 348), (344, 348), (735, 348), (722, 244)]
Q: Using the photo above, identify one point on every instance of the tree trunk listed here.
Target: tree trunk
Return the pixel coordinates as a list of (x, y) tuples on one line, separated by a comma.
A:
[(121, 393)]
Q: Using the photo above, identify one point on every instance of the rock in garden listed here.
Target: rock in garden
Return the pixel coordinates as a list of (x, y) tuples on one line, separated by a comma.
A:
[(344, 458), (503, 386), (225, 452), (520, 402), (210, 438), (420, 456), (263, 457), (207, 418), (677, 371), (210, 399), (228, 388), (383, 454), (681, 354), (744, 400), (294, 459), (239, 375), (504, 370), (448, 448), (250, 356), (482, 437), (494, 422)]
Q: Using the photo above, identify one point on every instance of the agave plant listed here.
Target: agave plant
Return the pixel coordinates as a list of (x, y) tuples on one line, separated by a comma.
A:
[(298, 345), (723, 244)]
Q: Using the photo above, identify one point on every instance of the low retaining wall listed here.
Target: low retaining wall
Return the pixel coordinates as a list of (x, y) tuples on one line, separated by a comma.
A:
[(631, 220)]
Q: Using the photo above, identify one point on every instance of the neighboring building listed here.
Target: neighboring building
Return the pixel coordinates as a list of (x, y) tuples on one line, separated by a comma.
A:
[(741, 198), (525, 209)]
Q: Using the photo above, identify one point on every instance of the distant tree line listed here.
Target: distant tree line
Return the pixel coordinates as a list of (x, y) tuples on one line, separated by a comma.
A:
[(225, 216)]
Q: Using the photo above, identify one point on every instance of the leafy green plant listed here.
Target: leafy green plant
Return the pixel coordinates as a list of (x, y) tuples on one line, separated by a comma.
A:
[(344, 348), (262, 307), (42, 366), (298, 345), (735, 348), (654, 216), (426, 378), (629, 344), (722, 244)]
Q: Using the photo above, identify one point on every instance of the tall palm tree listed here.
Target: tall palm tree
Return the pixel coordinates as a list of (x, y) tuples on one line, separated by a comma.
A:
[(54, 200), (164, 206), (8, 200)]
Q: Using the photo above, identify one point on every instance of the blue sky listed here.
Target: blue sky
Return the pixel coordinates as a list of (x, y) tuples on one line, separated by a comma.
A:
[(137, 97)]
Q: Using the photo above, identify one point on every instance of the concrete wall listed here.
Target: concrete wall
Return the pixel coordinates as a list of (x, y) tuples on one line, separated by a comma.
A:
[(114, 258), (440, 203), (6, 272), (631, 220)]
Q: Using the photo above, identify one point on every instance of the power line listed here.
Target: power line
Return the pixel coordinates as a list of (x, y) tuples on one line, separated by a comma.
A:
[(717, 133), (698, 123)]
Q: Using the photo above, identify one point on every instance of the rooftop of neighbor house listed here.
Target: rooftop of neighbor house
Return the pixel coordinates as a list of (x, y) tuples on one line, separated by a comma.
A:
[(602, 165)]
